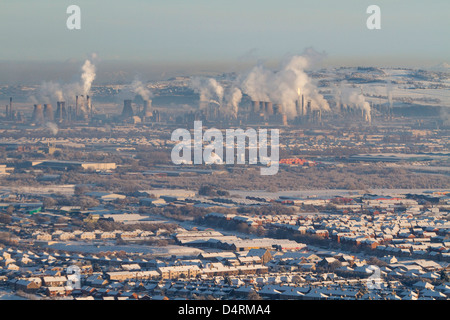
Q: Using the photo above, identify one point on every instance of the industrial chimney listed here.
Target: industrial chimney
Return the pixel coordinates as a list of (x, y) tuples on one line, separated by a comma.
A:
[(298, 107), (88, 105), (303, 105), (76, 107), (11, 113)]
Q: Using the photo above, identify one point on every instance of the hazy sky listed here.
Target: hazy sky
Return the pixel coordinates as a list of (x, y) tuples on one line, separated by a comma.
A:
[(413, 32)]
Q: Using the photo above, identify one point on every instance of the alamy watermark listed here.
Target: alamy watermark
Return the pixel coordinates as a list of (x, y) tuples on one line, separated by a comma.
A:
[(374, 20), (73, 22), (374, 281), (73, 277), (213, 153)]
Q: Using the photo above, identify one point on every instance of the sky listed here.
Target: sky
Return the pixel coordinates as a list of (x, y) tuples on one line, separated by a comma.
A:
[(225, 32)]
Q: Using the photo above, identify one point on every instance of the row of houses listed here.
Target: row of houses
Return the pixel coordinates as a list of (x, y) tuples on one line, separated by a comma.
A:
[(399, 233), (60, 235)]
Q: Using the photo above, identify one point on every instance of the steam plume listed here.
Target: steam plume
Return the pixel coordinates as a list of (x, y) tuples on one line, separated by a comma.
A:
[(140, 89), (50, 91), (233, 98), (282, 86), (88, 76), (208, 89), (353, 98)]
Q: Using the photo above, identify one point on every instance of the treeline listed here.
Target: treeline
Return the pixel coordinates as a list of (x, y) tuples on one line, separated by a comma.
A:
[(270, 209), (179, 213), (349, 177), (108, 226)]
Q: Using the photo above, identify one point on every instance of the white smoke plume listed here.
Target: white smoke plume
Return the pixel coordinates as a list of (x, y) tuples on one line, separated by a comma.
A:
[(88, 76), (256, 82), (52, 127), (50, 91), (283, 86), (208, 89), (233, 98), (138, 88), (353, 98)]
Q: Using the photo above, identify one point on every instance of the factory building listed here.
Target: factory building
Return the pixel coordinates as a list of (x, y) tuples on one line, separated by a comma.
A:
[(73, 165)]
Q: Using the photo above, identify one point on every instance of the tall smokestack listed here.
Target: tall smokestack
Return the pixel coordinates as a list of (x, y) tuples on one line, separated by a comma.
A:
[(33, 116), (298, 107), (303, 105), (88, 105), (82, 106), (76, 107), (11, 113), (156, 116), (7, 112), (308, 107), (64, 112)]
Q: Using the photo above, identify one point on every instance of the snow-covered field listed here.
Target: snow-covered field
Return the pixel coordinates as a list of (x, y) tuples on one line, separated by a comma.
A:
[(329, 193), (92, 248), (67, 190), (410, 86), (8, 295)]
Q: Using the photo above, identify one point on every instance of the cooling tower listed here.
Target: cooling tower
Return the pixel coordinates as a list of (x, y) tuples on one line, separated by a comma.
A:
[(255, 106), (269, 109), (156, 116), (277, 109), (60, 114), (127, 111), (366, 116), (203, 104), (284, 119), (48, 112), (38, 114), (69, 114), (147, 112)]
